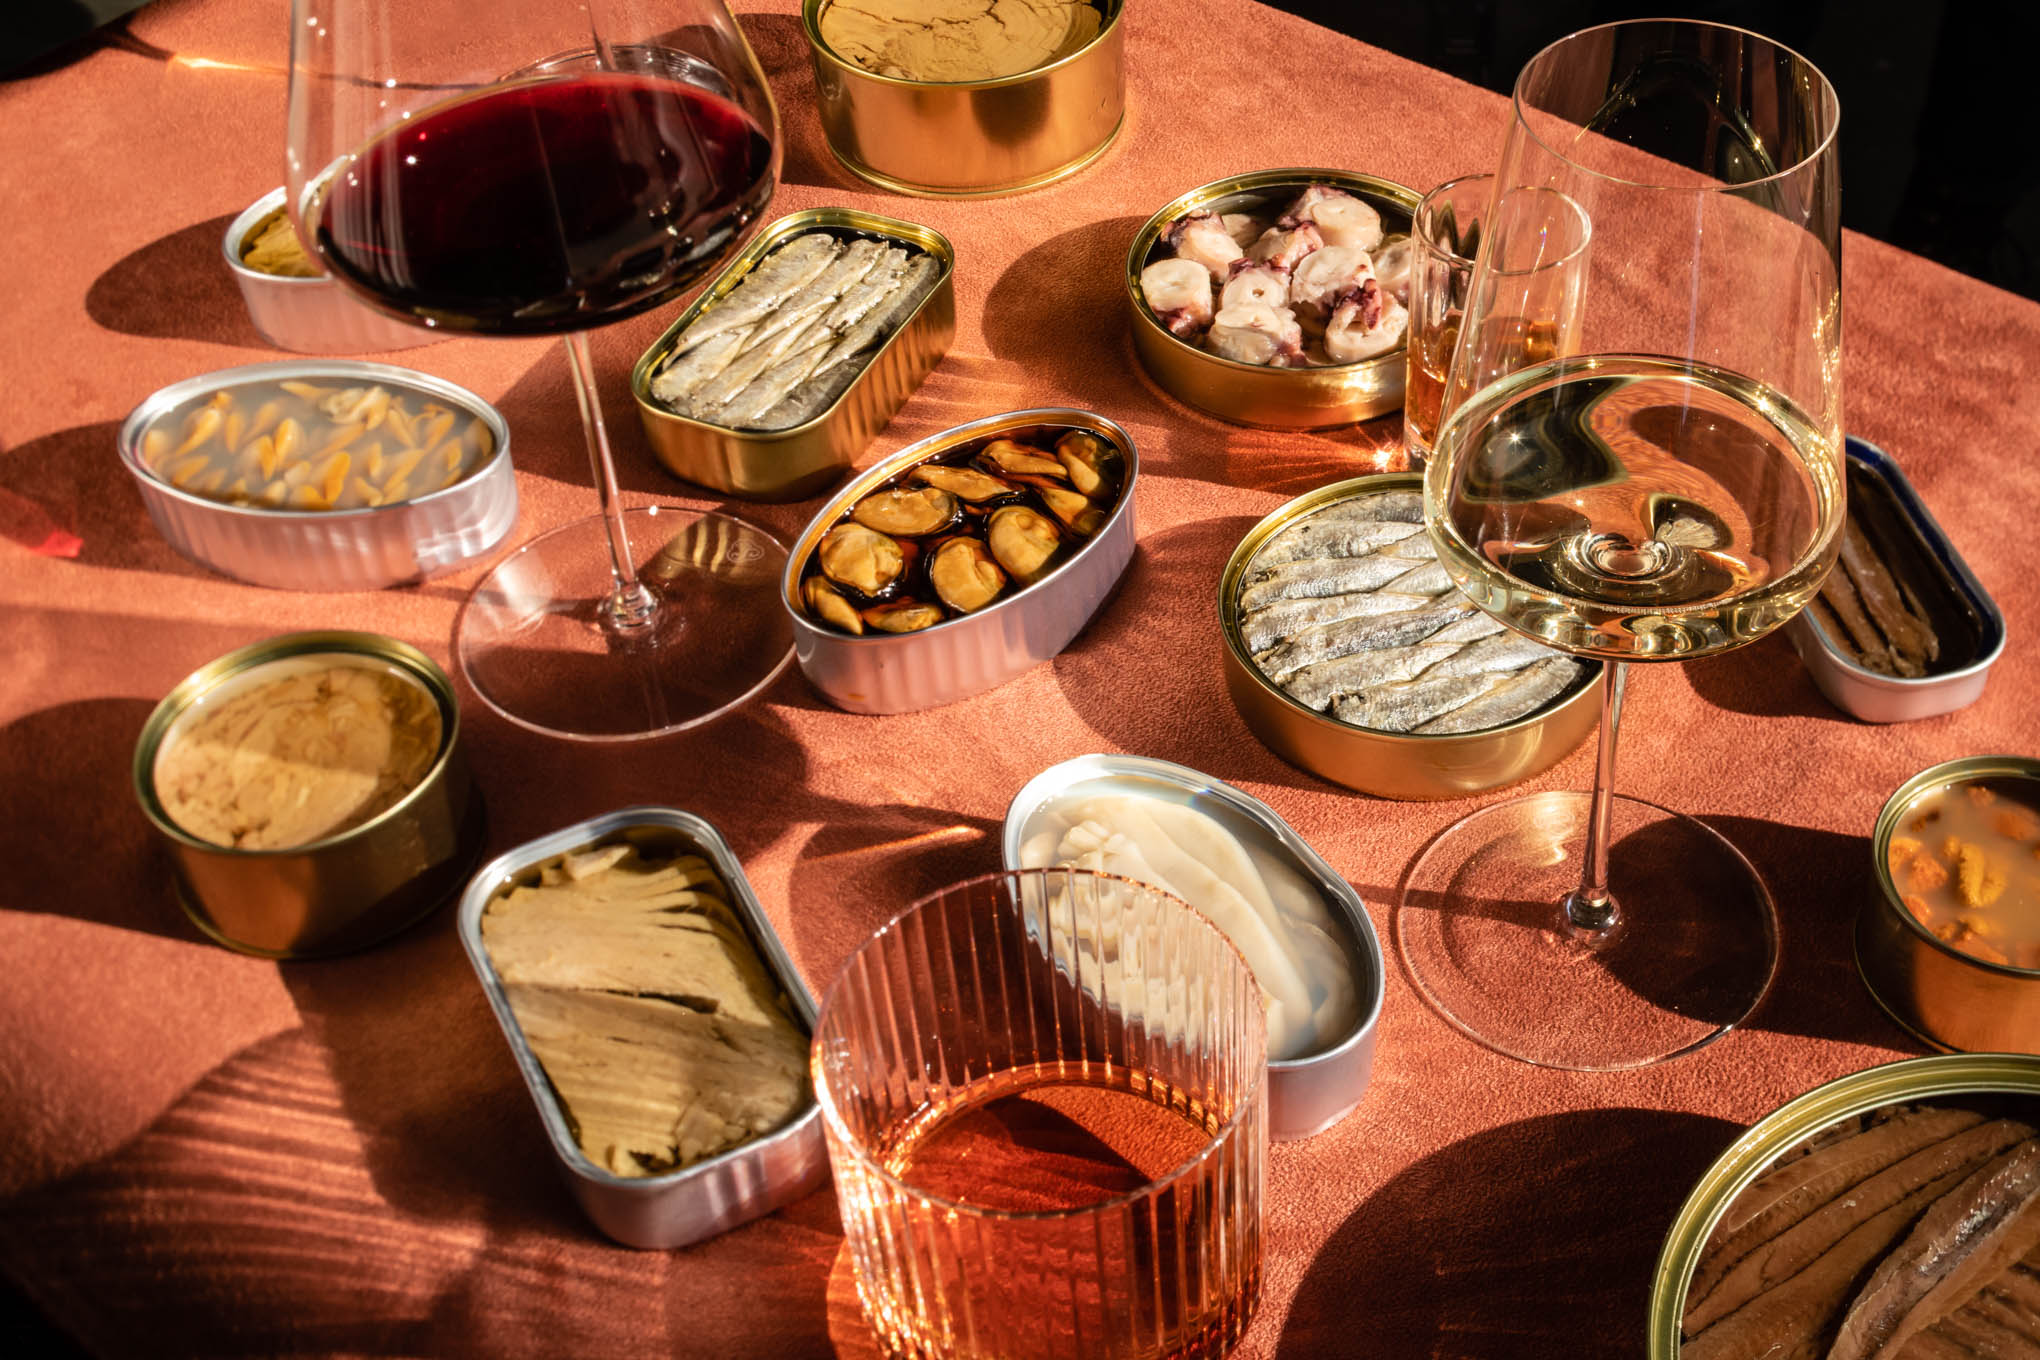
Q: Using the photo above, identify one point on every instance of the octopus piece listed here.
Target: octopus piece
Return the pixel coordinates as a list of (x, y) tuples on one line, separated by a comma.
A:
[(1252, 282), (1324, 277), (968, 483), (909, 616), (1392, 264), (1083, 456), (1202, 238), (907, 510), (1282, 248), (1015, 457), (828, 605), (964, 574), (1244, 228), (1343, 219), (1178, 292), (1023, 541), (1366, 322), (1256, 334), (863, 559)]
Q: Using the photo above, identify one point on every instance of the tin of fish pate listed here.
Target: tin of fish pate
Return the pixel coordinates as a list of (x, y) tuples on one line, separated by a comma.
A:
[(712, 1195)]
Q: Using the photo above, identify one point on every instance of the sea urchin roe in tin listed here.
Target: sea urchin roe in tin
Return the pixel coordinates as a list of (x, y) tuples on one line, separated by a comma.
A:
[(297, 751), (643, 998), (951, 41), (1965, 861)]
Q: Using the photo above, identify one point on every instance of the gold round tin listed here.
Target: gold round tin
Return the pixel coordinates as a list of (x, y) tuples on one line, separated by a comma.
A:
[(1754, 1152), (1950, 999), (350, 890), (972, 139), (1250, 394), (1388, 764)]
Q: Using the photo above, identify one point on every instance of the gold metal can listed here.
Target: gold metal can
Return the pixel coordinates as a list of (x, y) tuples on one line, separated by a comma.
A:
[(971, 139), (349, 890), (794, 463), (1249, 394), (1951, 999), (1748, 1157), (1388, 764)]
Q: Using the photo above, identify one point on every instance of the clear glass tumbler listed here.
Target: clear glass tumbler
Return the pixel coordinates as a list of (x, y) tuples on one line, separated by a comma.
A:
[(1045, 1095)]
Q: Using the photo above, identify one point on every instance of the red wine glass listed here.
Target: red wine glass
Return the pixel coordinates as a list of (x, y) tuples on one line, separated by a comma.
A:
[(453, 181)]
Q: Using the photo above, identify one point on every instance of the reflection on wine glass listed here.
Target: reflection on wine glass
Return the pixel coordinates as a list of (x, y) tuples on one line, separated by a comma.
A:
[(1666, 484), (450, 179)]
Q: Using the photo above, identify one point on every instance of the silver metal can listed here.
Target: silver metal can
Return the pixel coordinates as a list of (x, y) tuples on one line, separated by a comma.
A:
[(315, 315)]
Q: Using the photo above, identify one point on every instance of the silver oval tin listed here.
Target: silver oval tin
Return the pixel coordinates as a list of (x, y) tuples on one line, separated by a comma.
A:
[(1887, 698), (1305, 1095), (311, 316), (330, 549), (897, 673), (713, 1195)]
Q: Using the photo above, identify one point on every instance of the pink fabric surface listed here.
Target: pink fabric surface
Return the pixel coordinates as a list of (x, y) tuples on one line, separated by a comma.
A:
[(217, 1154)]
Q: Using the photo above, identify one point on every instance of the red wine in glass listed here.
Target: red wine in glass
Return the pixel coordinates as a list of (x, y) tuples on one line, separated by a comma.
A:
[(547, 206)]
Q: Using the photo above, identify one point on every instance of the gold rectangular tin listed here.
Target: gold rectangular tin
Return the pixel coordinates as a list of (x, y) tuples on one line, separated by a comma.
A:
[(346, 892), (971, 139), (1948, 998), (1758, 1149), (1387, 764), (794, 463), (1250, 394)]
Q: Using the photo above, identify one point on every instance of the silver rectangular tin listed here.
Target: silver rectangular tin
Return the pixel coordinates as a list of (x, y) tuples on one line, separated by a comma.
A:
[(714, 1195), (1886, 698), (311, 316), (1305, 1095), (898, 673), (330, 549)]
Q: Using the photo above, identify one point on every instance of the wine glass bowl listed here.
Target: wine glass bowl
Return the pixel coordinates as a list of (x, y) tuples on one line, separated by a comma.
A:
[(1663, 481), (545, 172)]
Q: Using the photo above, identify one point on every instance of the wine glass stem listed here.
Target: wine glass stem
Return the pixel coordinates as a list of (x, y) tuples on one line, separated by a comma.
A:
[(631, 604), (1589, 908)]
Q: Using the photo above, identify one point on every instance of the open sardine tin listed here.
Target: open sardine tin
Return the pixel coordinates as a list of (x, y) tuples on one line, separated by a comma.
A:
[(799, 461), (1988, 1077), (1249, 394), (903, 672), (1306, 1094), (1389, 764), (719, 1192), (1967, 621)]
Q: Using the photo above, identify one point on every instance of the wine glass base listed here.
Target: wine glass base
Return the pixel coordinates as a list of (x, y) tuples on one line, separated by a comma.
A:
[(1481, 934), (535, 640)]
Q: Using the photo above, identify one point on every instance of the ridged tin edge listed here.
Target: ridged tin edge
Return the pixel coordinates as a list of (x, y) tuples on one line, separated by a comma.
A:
[(315, 315), (839, 429), (1864, 693), (711, 1196), (330, 550), (1297, 1108), (955, 659), (1758, 1147)]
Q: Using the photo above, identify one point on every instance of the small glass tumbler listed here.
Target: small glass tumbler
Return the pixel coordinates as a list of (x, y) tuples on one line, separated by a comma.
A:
[(1046, 1101), (1536, 241)]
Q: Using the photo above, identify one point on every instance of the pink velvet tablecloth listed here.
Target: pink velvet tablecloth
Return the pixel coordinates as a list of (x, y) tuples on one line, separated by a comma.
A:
[(207, 1153)]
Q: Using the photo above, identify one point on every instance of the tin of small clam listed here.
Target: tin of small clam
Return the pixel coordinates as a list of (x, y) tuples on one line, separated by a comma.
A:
[(310, 315), (1281, 389), (972, 138), (1444, 746), (364, 548), (346, 890), (1342, 970), (988, 639), (719, 1192), (800, 459), (1916, 593)]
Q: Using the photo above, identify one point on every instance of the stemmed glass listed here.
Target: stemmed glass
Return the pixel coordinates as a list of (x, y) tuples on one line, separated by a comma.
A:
[(544, 167), (1669, 485)]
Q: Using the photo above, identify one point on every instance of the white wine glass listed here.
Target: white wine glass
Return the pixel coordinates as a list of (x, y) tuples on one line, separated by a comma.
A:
[(1667, 485), (545, 167)]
